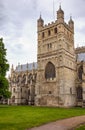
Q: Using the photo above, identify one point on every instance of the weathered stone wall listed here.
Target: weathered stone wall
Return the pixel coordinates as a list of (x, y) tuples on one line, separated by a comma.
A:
[(56, 45), (22, 87)]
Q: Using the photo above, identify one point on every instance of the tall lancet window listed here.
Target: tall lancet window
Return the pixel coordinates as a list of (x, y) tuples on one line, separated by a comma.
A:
[(50, 71), (80, 71)]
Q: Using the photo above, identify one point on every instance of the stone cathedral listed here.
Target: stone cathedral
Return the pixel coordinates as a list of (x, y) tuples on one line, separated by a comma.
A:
[(58, 77)]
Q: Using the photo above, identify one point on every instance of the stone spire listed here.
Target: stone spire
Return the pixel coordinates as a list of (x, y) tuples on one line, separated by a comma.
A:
[(60, 15), (12, 69), (71, 23), (40, 22)]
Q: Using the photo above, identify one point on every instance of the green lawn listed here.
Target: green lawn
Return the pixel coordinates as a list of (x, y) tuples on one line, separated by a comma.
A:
[(23, 117), (82, 127)]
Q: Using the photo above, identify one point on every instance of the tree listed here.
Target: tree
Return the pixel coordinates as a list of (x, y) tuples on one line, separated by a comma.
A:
[(4, 67)]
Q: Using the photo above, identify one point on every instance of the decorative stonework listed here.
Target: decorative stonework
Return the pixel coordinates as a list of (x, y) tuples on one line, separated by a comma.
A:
[(58, 77)]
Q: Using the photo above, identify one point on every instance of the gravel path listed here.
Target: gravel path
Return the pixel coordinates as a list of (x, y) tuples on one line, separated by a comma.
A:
[(65, 124)]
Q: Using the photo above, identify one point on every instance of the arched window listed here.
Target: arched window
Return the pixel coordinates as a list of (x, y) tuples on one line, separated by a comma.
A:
[(43, 35), (24, 78), (13, 99), (30, 76), (80, 71), (49, 32), (28, 91), (14, 90), (79, 92), (50, 71), (55, 30)]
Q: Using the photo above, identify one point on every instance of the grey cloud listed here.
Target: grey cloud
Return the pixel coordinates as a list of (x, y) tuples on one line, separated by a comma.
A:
[(79, 8), (17, 12), (2, 14), (81, 30), (16, 49), (15, 16)]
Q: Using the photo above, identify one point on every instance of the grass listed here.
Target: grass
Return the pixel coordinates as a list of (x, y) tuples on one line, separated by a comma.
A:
[(23, 117), (82, 127)]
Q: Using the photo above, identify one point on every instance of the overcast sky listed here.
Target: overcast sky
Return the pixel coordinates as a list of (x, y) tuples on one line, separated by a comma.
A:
[(18, 25)]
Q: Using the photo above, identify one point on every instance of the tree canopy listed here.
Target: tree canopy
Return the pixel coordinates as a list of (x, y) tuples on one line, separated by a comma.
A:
[(4, 67)]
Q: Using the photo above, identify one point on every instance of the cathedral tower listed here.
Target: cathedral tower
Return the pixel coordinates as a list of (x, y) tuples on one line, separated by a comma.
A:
[(56, 62)]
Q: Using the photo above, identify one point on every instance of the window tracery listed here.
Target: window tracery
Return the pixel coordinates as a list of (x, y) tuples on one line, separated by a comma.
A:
[(50, 71)]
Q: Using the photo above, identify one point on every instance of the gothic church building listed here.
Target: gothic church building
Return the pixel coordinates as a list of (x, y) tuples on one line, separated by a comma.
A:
[(58, 77)]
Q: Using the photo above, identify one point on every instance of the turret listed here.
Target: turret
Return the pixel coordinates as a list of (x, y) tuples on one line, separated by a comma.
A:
[(60, 15), (71, 23), (40, 23), (12, 70)]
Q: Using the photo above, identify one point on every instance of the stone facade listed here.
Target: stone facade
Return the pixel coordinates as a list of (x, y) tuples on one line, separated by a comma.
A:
[(58, 77), (56, 49), (22, 84), (80, 78)]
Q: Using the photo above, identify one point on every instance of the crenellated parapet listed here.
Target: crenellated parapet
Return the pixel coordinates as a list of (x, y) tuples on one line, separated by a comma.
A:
[(55, 28), (53, 23), (80, 50), (59, 19)]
